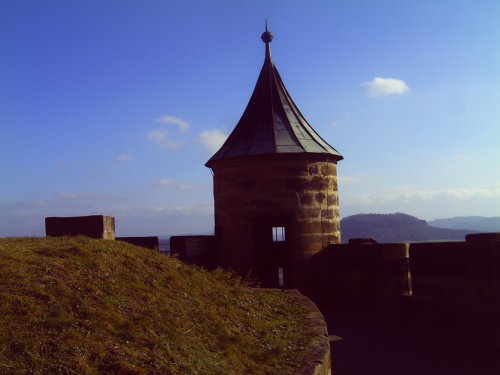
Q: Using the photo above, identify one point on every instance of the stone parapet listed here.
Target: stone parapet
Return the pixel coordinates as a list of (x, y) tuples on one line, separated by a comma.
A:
[(317, 358), (364, 271), (94, 226), (199, 250), (150, 242)]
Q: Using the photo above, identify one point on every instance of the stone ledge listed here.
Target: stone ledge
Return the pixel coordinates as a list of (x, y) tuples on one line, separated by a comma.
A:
[(317, 358)]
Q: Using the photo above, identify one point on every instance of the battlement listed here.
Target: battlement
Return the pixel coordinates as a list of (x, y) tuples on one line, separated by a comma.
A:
[(94, 226)]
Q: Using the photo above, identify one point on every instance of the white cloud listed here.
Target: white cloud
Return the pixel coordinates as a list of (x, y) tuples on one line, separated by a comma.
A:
[(182, 124), (385, 86), (159, 136), (192, 218), (212, 139), (69, 195), (408, 195), (174, 184), (164, 182), (124, 158), (80, 196), (193, 209), (187, 187), (27, 218)]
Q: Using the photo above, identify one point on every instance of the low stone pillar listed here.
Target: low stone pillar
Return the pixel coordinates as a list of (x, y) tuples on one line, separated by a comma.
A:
[(95, 226)]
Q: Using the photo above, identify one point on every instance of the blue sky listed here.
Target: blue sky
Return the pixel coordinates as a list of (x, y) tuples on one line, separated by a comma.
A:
[(113, 107)]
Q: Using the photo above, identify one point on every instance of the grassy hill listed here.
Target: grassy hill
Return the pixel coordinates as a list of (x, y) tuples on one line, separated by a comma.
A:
[(83, 306)]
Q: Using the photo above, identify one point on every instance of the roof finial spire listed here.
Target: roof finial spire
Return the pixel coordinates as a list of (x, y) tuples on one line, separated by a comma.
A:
[(267, 36)]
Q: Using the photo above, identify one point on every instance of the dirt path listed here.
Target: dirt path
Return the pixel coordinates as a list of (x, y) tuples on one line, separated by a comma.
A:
[(363, 345)]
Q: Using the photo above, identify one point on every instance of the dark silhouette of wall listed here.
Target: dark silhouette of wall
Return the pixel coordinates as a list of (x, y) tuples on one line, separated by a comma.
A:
[(95, 226), (450, 288), (150, 242), (199, 250)]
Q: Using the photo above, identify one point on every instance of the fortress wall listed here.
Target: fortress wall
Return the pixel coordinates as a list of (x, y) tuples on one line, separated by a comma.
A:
[(453, 288), (457, 271), (149, 242), (362, 272), (199, 250), (439, 270), (94, 226), (456, 288)]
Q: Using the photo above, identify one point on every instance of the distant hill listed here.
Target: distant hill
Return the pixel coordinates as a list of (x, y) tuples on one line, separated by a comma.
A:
[(475, 223), (396, 227)]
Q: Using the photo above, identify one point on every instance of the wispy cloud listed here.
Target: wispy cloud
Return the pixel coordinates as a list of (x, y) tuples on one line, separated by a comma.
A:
[(182, 124), (159, 136), (81, 196), (188, 187), (164, 182), (350, 179), (192, 209), (27, 218), (408, 195), (454, 163), (212, 139), (385, 86), (125, 158)]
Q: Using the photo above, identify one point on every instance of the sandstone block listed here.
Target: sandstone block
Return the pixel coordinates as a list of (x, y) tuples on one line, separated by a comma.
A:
[(95, 226)]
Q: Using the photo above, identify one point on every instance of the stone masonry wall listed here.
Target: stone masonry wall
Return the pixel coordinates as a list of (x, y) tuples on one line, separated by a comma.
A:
[(456, 288), (94, 226), (360, 273), (452, 288), (297, 191)]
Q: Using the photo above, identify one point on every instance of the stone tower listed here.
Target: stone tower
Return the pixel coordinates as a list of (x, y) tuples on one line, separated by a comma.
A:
[(275, 188)]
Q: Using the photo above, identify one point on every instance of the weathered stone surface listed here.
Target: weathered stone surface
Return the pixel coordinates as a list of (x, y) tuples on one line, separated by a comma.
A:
[(328, 213), (290, 191), (270, 184), (320, 197), (314, 169), (332, 199), (314, 182), (329, 169), (95, 226), (305, 198), (313, 213), (246, 185)]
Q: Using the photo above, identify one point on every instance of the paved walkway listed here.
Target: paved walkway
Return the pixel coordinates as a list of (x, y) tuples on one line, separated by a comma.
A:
[(363, 345)]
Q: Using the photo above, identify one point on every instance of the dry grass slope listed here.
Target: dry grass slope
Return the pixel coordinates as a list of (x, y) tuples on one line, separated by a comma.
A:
[(83, 306)]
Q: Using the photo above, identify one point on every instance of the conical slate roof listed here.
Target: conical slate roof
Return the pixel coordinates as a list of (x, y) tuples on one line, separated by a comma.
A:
[(271, 123)]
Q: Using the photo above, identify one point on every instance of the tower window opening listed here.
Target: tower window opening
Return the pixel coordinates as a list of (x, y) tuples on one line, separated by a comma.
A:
[(278, 234)]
